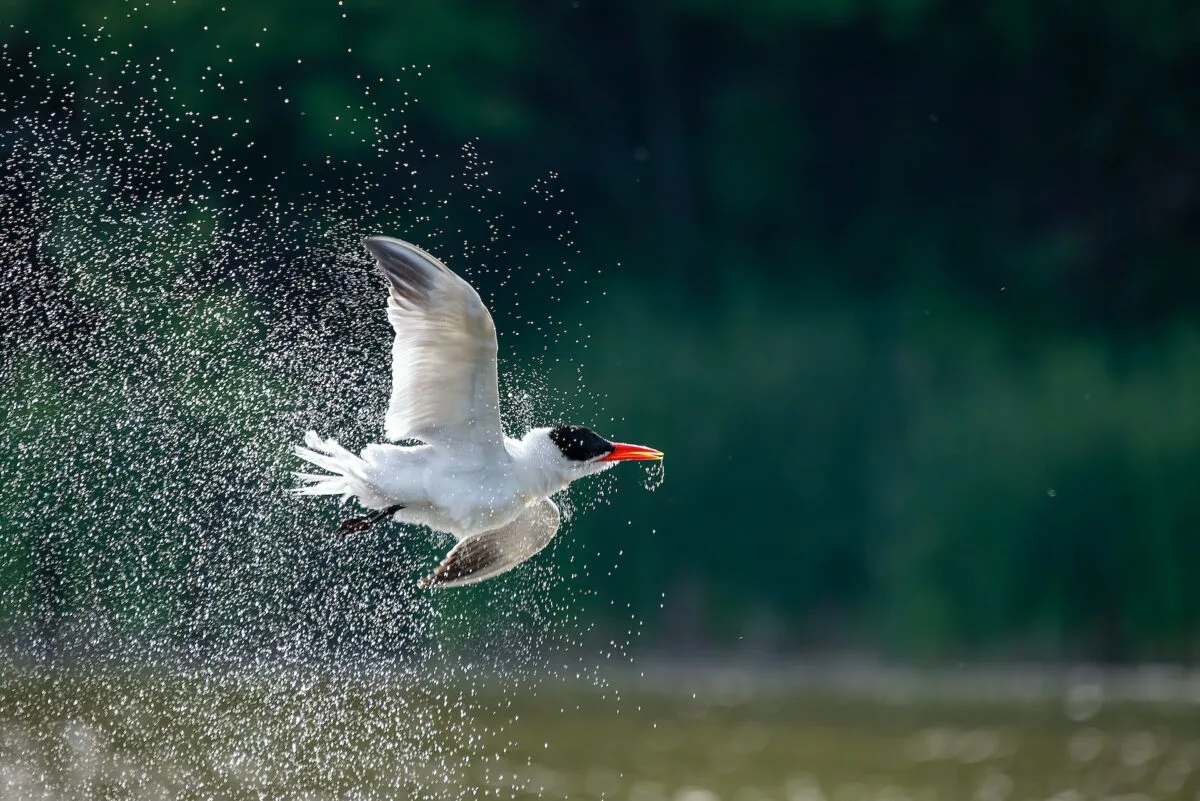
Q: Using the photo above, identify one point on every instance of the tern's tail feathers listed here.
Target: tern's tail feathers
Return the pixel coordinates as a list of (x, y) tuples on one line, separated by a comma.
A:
[(348, 472)]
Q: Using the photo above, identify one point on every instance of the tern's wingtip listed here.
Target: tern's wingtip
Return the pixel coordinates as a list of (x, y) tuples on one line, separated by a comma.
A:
[(376, 244), (409, 268)]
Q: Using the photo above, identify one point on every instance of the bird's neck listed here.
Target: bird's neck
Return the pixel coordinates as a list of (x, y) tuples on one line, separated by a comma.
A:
[(540, 474)]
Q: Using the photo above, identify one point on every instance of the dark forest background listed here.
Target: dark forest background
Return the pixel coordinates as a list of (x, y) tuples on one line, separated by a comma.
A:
[(906, 289)]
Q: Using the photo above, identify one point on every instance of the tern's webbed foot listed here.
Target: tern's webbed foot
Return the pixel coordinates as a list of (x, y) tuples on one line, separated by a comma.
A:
[(360, 523), (353, 525)]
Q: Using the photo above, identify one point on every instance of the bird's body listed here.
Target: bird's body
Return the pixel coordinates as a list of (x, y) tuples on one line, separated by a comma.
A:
[(466, 478), (474, 491)]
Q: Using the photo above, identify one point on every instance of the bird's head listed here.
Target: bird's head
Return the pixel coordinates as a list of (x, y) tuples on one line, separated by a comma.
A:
[(577, 451)]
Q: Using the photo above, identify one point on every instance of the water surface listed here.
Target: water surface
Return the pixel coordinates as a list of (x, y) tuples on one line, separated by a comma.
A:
[(88, 733)]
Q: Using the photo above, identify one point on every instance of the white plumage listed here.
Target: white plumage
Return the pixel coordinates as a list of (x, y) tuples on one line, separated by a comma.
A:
[(467, 478), (444, 384)]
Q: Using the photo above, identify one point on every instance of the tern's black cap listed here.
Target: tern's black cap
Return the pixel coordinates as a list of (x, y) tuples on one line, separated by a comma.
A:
[(579, 443)]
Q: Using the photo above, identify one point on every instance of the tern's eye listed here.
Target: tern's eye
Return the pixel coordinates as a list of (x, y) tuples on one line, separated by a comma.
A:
[(578, 443)]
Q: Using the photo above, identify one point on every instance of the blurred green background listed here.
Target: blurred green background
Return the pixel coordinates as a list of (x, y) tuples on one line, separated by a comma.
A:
[(906, 289)]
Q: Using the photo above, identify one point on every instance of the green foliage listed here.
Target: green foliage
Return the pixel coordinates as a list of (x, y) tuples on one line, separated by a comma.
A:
[(930, 479), (908, 291)]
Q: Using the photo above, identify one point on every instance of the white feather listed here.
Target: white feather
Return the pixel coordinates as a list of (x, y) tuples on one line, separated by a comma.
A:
[(468, 479), (348, 471), (444, 386)]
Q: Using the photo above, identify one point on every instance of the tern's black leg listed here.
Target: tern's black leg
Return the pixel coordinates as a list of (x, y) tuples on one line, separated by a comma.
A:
[(354, 525)]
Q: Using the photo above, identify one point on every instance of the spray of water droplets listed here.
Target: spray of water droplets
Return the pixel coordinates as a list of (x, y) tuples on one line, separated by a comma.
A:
[(168, 333)]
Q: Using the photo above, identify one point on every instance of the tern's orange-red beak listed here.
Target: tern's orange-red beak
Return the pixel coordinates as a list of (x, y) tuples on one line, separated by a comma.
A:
[(632, 453)]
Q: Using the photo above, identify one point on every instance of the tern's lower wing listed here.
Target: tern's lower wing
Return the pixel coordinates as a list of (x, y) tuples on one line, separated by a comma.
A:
[(497, 551)]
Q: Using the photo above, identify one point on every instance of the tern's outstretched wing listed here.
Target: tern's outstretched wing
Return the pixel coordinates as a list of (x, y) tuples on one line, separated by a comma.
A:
[(497, 551), (444, 386)]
